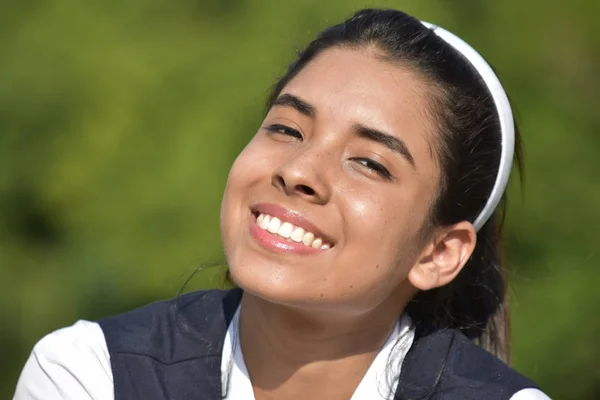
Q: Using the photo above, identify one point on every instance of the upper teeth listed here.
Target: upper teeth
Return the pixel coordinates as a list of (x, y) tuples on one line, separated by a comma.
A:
[(289, 231)]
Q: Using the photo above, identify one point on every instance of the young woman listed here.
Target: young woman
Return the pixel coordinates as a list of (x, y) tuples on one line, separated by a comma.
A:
[(360, 225)]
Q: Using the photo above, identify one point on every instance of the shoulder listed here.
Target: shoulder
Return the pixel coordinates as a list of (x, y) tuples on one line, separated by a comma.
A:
[(70, 363), (455, 366), (203, 300), (172, 348), (173, 330)]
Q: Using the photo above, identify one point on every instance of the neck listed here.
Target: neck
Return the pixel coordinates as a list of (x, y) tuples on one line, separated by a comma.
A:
[(293, 354)]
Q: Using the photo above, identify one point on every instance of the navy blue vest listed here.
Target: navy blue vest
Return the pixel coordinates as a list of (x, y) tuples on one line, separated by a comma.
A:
[(171, 350)]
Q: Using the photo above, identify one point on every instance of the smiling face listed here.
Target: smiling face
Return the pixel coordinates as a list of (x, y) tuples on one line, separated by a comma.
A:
[(346, 153)]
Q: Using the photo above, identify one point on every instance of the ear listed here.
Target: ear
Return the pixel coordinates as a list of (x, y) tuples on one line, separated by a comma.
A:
[(444, 257)]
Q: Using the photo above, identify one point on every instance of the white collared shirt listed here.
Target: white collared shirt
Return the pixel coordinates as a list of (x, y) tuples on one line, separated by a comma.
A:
[(73, 363)]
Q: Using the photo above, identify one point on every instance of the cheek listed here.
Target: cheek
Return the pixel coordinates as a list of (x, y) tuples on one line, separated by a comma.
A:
[(255, 163), (248, 167), (381, 237), (249, 177), (243, 166), (383, 219), (242, 175)]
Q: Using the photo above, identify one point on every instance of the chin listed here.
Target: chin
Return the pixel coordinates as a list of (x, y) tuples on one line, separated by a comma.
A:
[(277, 286), (270, 282)]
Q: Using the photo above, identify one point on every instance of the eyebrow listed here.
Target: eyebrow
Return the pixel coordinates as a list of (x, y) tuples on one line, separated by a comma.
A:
[(288, 100), (391, 142)]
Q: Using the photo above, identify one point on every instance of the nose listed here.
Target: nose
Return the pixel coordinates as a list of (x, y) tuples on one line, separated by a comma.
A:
[(304, 176)]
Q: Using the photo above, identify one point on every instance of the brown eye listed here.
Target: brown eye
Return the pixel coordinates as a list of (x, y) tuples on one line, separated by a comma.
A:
[(284, 130), (374, 166)]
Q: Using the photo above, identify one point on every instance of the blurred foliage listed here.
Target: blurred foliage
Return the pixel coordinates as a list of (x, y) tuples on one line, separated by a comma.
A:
[(119, 121)]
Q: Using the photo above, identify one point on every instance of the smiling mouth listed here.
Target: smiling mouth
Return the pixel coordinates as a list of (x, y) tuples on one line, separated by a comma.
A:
[(289, 232)]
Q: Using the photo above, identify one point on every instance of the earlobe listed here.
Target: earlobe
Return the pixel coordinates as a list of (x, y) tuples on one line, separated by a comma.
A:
[(444, 257)]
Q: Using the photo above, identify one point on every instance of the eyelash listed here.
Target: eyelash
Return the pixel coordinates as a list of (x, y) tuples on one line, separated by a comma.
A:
[(284, 130), (374, 166), (367, 162)]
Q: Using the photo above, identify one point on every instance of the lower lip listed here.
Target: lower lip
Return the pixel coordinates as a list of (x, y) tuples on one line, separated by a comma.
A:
[(277, 243)]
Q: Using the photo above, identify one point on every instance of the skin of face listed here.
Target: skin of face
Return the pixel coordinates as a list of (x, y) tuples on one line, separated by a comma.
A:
[(321, 167)]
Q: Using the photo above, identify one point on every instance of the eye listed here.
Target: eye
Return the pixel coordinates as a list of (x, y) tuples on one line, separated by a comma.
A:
[(374, 166), (284, 130)]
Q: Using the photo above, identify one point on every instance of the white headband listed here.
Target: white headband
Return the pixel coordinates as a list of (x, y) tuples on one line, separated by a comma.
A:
[(507, 126)]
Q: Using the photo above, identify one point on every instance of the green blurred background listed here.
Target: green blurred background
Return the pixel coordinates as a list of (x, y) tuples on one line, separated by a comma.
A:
[(119, 121)]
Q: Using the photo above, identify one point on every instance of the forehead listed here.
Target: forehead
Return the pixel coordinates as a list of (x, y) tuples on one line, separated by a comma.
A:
[(348, 86)]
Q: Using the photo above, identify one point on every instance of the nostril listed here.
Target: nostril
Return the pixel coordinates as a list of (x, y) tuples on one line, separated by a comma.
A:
[(288, 187), (305, 189), (280, 181)]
